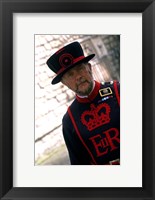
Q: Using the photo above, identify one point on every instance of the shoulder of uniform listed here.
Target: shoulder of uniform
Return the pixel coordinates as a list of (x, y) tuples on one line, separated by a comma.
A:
[(108, 83), (65, 116)]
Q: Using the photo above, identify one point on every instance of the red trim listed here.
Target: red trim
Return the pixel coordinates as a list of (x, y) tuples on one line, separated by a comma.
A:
[(115, 163), (92, 96), (61, 70), (78, 59), (60, 50), (78, 133), (116, 92)]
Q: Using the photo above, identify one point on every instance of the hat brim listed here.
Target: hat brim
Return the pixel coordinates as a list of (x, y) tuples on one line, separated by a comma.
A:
[(57, 79)]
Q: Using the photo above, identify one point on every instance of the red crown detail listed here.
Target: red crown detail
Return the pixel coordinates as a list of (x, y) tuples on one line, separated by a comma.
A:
[(96, 116)]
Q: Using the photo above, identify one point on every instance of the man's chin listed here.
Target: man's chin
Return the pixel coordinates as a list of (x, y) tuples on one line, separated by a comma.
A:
[(85, 88), (84, 92)]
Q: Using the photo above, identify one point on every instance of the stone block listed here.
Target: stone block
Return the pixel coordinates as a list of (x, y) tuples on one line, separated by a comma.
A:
[(47, 46), (62, 96)]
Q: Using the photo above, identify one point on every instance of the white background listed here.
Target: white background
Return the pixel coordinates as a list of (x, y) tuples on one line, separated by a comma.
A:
[(129, 173)]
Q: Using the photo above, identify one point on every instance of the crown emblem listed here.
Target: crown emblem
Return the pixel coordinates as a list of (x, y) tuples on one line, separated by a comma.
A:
[(96, 116)]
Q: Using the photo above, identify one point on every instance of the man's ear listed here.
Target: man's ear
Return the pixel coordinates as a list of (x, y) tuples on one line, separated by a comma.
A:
[(90, 67)]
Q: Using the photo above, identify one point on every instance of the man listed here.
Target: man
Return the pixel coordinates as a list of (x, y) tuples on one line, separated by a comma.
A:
[(91, 125)]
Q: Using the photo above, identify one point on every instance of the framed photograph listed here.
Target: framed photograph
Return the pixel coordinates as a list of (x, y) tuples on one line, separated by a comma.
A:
[(21, 22), (52, 101)]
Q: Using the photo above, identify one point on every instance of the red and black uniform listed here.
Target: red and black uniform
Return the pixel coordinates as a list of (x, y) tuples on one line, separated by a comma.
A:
[(91, 126)]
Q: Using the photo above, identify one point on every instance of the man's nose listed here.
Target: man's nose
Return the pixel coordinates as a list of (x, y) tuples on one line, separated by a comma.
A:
[(78, 76)]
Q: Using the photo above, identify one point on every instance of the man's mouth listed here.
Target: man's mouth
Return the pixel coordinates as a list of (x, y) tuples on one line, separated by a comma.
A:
[(81, 83)]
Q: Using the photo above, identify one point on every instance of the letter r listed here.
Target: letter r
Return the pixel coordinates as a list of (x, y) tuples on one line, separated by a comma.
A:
[(114, 138)]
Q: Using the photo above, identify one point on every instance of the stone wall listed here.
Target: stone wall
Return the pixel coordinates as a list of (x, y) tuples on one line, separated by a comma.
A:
[(51, 101)]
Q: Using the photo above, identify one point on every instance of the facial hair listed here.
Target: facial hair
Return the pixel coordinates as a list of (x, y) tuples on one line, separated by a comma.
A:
[(87, 91)]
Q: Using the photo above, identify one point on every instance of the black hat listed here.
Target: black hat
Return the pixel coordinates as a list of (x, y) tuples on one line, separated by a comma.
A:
[(66, 58)]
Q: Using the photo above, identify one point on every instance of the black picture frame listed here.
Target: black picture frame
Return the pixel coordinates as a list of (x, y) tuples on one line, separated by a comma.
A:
[(7, 8)]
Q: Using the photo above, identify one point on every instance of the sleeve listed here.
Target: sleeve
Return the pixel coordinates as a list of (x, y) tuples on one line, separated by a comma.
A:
[(117, 90), (118, 87), (77, 153)]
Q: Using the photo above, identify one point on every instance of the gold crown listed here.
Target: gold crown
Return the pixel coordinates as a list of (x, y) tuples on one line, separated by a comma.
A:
[(96, 116)]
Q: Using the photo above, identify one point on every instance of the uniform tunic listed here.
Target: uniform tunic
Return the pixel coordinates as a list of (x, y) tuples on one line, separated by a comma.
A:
[(91, 126)]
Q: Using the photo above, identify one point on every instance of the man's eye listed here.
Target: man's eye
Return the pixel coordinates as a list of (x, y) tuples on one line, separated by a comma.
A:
[(80, 68), (70, 74)]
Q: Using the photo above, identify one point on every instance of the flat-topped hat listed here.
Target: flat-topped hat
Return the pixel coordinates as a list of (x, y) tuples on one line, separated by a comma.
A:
[(66, 58)]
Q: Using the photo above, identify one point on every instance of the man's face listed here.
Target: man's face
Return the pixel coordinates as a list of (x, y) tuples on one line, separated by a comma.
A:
[(79, 79)]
